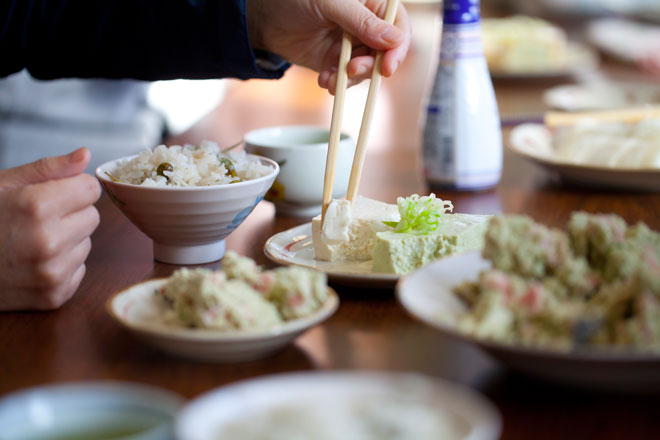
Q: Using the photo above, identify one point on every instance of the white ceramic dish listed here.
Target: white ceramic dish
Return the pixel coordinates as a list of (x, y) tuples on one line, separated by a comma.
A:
[(89, 410), (187, 225), (530, 142), (581, 59), (301, 152), (294, 247), (601, 96), (426, 295), (205, 417), (626, 40), (139, 310)]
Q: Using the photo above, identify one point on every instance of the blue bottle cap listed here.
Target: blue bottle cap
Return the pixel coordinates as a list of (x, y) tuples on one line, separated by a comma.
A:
[(461, 11)]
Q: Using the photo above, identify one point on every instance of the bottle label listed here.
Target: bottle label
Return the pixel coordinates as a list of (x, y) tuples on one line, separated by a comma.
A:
[(461, 41)]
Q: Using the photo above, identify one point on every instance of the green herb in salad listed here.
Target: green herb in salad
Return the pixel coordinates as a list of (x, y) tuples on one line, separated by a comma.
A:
[(420, 214)]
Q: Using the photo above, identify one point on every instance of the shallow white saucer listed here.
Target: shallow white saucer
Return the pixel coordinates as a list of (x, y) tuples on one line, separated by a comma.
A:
[(140, 310)]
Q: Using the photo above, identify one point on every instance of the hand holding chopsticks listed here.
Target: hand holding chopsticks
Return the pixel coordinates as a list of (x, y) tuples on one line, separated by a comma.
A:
[(335, 127)]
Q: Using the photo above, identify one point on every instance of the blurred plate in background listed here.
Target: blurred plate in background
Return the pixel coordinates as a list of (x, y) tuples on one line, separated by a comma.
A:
[(580, 59), (340, 405), (601, 96), (624, 39), (533, 142)]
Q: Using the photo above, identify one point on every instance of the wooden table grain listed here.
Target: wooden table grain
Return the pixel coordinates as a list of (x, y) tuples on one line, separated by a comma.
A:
[(370, 331)]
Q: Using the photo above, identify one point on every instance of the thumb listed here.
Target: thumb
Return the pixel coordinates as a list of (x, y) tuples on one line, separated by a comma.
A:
[(358, 20), (49, 168)]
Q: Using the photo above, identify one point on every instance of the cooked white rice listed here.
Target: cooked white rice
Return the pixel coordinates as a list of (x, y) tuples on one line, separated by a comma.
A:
[(192, 166)]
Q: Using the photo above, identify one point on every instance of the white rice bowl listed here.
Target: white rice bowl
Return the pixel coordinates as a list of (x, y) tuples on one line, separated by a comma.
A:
[(192, 166)]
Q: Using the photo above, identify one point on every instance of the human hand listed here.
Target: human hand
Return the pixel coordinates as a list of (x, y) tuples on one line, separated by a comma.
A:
[(308, 33), (47, 219)]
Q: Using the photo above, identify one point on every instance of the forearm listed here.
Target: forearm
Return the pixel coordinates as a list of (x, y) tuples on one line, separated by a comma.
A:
[(141, 39)]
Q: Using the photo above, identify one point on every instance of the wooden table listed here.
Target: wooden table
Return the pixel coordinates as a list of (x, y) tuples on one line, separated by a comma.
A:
[(370, 330)]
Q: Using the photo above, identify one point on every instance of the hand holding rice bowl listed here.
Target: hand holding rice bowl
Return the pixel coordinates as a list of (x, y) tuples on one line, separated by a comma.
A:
[(187, 211)]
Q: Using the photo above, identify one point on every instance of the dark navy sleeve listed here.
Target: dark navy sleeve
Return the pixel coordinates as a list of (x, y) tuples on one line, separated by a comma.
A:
[(140, 39)]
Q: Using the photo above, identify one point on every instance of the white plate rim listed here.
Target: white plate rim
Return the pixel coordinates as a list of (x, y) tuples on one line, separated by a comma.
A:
[(402, 292), (484, 415), (208, 335), (304, 232)]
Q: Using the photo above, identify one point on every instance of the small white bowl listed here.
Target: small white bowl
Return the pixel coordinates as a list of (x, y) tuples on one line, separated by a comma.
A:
[(187, 225), (140, 311), (328, 398), (301, 152), (105, 409)]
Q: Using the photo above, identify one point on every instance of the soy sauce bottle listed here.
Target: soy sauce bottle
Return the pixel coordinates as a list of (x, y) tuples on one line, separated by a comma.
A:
[(462, 139)]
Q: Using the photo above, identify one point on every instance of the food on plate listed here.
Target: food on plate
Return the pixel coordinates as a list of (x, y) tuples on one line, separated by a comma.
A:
[(397, 238), (401, 252), (395, 416), (349, 233), (242, 296), (595, 283), (601, 96), (522, 44), (595, 143), (189, 165), (618, 144)]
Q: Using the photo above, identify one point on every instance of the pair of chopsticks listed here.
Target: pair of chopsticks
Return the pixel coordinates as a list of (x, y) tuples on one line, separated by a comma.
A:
[(337, 113)]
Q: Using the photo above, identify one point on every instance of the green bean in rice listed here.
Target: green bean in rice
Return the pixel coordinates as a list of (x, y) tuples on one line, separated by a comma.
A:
[(190, 165)]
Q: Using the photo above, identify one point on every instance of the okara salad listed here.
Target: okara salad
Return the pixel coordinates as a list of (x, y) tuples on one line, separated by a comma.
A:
[(242, 296), (597, 283), (189, 165)]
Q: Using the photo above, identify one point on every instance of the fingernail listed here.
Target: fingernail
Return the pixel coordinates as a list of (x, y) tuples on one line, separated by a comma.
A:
[(391, 35), (77, 156), (361, 70)]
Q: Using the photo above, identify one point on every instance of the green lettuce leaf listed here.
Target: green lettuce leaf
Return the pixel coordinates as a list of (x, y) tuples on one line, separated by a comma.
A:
[(419, 215)]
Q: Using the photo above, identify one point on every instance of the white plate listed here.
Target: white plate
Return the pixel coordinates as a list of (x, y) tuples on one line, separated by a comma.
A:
[(329, 393), (528, 141), (580, 59), (426, 294), (294, 247), (141, 311), (624, 39), (91, 410), (601, 96)]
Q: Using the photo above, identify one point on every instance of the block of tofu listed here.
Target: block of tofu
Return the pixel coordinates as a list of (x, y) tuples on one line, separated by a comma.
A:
[(349, 234), (402, 252)]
